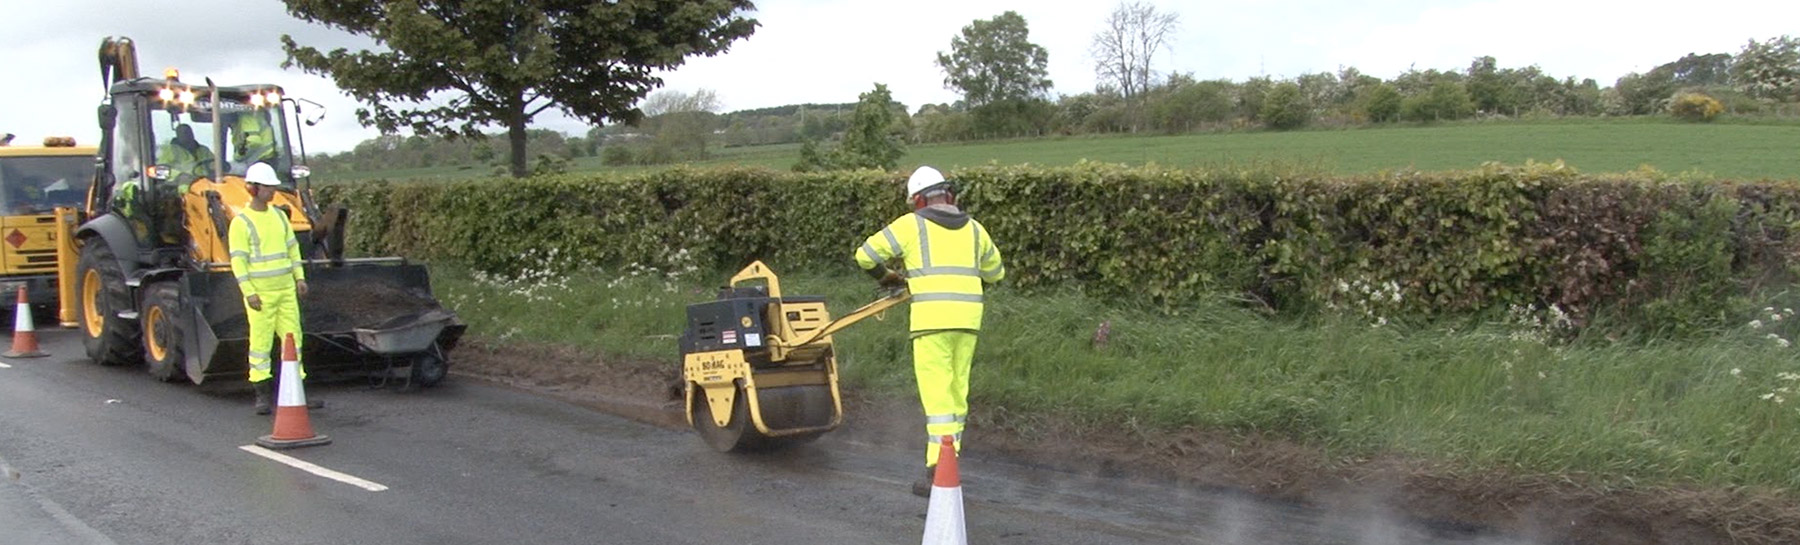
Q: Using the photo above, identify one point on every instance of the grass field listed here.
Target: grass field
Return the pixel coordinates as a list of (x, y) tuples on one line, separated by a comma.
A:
[(1480, 394), (1748, 149)]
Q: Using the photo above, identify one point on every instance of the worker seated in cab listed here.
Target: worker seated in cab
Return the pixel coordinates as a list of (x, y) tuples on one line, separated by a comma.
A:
[(253, 138), (186, 158)]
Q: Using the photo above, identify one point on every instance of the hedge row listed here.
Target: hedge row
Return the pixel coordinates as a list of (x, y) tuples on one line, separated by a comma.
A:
[(1407, 243)]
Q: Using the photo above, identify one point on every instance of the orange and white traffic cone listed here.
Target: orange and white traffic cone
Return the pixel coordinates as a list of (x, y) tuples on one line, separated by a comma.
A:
[(944, 516), (24, 343), (293, 428)]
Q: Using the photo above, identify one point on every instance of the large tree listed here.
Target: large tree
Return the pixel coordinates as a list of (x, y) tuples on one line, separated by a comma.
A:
[(994, 61), (683, 123), (875, 138), (1694, 70), (1124, 48), (451, 67), (1769, 70)]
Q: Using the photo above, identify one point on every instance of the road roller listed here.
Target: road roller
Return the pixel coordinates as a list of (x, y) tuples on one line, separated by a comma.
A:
[(758, 367)]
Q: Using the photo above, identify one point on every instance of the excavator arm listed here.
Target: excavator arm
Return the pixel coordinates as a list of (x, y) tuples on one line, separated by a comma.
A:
[(118, 61)]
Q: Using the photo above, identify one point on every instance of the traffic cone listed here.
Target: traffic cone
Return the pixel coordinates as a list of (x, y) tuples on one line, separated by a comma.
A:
[(944, 516), (293, 429), (24, 344)]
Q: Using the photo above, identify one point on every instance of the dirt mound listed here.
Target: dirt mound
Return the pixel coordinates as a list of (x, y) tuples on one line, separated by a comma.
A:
[(1550, 510)]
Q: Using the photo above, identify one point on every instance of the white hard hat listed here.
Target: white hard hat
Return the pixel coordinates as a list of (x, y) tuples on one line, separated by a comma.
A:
[(261, 173), (922, 179)]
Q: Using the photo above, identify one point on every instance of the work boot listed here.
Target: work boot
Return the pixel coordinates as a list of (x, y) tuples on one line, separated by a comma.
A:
[(262, 396), (313, 401), (922, 487)]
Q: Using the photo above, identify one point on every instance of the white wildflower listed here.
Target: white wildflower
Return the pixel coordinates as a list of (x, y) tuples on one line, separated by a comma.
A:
[(1737, 372), (1756, 324)]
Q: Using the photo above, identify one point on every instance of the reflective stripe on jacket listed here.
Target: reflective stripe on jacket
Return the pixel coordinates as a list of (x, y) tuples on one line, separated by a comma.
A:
[(945, 268), (265, 256)]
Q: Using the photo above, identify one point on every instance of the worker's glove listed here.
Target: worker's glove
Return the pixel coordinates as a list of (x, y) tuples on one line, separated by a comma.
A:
[(300, 287), (892, 280), (254, 301)]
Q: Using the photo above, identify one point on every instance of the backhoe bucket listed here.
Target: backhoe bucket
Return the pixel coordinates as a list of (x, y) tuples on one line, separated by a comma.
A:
[(357, 318)]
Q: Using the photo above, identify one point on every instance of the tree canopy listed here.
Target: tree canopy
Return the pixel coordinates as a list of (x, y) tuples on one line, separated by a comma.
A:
[(994, 61), (875, 138), (1124, 48), (1769, 69), (451, 67)]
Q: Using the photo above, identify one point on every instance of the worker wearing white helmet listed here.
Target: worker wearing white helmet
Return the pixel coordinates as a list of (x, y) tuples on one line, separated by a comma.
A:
[(265, 259), (948, 258)]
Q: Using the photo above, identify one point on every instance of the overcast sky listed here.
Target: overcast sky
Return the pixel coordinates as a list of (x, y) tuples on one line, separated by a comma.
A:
[(828, 51)]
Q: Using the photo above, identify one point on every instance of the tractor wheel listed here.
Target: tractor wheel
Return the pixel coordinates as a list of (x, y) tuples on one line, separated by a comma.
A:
[(100, 283), (161, 314)]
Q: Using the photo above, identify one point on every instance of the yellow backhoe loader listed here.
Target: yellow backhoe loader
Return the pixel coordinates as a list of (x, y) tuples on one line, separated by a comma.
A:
[(759, 368), (144, 263)]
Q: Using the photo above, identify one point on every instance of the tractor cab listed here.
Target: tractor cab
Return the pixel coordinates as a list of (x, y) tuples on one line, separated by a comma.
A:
[(179, 153)]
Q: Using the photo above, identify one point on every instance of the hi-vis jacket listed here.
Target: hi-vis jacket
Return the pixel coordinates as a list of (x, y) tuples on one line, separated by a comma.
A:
[(264, 254), (948, 257)]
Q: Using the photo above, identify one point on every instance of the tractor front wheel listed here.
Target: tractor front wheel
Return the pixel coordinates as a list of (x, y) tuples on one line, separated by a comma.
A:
[(100, 283)]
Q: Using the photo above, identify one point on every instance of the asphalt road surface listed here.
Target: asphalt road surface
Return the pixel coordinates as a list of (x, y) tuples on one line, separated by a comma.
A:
[(100, 455)]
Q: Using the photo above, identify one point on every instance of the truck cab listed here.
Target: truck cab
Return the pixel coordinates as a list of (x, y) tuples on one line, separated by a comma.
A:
[(34, 181)]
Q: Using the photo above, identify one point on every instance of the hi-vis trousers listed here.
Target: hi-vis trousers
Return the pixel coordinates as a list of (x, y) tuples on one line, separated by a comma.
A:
[(280, 316), (941, 363)]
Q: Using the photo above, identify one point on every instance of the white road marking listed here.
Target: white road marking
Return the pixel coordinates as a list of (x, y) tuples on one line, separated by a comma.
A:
[(5, 366), (309, 467)]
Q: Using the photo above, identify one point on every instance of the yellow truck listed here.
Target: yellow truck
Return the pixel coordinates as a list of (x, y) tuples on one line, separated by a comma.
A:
[(34, 181)]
